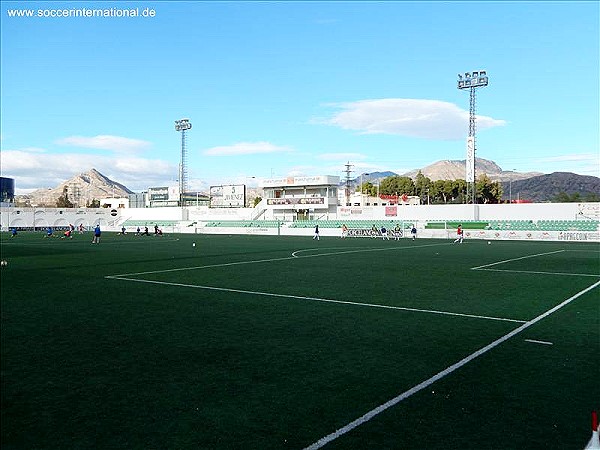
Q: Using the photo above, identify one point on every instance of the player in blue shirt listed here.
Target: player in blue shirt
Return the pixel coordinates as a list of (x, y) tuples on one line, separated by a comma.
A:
[(97, 234)]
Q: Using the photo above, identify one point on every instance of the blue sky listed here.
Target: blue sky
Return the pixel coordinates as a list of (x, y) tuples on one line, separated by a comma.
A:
[(294, 88)]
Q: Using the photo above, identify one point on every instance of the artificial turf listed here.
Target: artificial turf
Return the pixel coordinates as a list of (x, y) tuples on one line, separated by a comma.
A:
[(265, 342)]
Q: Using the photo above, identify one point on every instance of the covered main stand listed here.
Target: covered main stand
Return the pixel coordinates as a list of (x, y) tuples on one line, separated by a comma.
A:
[(301, 198)]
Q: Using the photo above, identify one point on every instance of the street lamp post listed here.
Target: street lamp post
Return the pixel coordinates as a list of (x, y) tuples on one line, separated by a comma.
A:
[(510, 188), (246, 201), (362, 197)]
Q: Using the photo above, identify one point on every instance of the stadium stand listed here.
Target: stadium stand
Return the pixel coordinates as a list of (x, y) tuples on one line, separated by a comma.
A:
[(544, 225), (245, 223), (451, 224), (359, 224), (147, 223)]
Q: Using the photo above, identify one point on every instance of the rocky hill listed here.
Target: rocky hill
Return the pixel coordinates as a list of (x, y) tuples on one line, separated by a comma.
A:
[(81, 190), (545, 188), (455, 170)]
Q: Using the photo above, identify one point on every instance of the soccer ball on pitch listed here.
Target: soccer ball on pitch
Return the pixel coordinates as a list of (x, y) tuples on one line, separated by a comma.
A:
[(489, 242), (193, 244), (4, 263)]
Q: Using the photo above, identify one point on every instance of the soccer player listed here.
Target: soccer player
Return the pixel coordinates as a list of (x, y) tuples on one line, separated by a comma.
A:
[(97, 234), (384, 234), (13, 233), (316, 236), (459, 235), (344, 231), (413, 232), (374, 231), (49, 232), (397, 232)]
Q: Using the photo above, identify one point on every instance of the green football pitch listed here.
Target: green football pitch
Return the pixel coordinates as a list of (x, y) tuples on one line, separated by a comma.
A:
[(267, 342)]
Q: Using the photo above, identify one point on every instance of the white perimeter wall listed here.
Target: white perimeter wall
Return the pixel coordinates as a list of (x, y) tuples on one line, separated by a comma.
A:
[(113, 219)]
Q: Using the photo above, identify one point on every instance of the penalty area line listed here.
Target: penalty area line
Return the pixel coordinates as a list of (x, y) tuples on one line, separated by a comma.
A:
[(374, 412), (516, 259), (314, 299), (258, 261)]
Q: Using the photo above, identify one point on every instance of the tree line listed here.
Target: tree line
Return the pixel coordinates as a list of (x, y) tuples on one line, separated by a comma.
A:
[(436, 192)]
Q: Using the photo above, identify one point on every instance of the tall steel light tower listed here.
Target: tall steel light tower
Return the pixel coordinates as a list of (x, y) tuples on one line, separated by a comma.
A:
[(471, 81), (183, 125)]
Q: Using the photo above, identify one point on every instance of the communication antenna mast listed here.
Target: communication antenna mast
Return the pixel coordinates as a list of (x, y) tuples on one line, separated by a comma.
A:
[(471, 81), (183, 125), (347, 190)]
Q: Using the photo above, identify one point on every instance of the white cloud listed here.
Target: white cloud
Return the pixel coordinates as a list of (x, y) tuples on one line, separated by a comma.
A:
[(34, 150), (427, 119), (245, 148), (38, 164), (106, 142), (35, 169)]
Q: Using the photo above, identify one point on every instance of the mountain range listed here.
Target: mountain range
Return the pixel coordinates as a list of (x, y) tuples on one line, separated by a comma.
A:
[(548, 186), (534, 186), (530, 186), (455, 170)]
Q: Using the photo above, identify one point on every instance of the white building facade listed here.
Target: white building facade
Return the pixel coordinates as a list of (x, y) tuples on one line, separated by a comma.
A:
[(300, 198)]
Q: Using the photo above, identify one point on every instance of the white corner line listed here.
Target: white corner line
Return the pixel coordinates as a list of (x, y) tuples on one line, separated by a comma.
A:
[(369, 415)]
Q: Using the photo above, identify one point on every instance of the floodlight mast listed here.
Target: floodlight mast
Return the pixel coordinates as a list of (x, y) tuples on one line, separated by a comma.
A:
[(471, 81), (183, 125)]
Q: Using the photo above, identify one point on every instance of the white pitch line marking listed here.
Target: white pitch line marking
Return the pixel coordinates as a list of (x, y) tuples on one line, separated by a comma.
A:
[(516, 259), (208, 266), (284, 258), (369, 415), (315, 299), (295, 254), (533, 341), (540, 272)]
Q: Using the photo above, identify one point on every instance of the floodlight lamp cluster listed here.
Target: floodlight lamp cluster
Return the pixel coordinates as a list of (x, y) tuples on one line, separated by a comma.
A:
[(472, 79), (182, 124)]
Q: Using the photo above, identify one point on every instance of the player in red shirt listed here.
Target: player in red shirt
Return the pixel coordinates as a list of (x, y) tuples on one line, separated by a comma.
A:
[(459, 235)]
